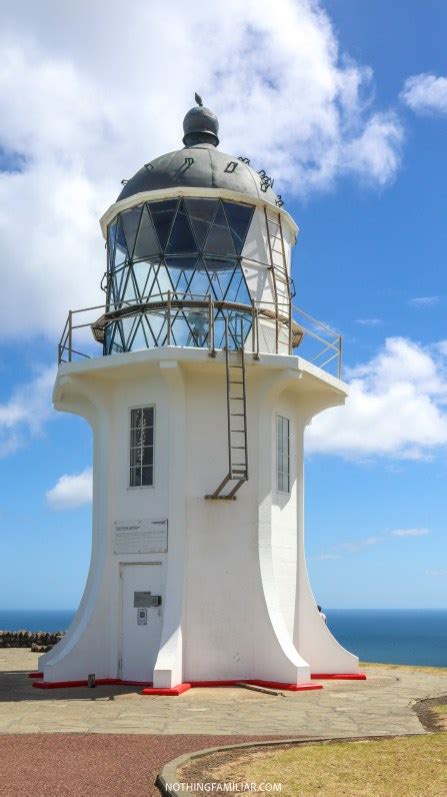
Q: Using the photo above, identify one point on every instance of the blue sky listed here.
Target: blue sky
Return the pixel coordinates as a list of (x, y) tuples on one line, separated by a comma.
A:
[(359, 154)]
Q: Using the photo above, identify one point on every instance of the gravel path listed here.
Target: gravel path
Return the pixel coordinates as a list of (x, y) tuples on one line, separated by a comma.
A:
[(93, 765)]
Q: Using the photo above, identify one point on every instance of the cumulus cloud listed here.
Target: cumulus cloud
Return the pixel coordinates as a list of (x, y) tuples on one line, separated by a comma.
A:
[(328, 557), (397, 406), (425, 94), (70, 492), (363, 543), (369, 322), (23, 415), (410, 532), (76, 119), (424, 301)]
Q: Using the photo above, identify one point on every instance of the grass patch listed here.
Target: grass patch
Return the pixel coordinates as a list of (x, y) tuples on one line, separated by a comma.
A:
[(393, 767), (442, 709), (413, 766)]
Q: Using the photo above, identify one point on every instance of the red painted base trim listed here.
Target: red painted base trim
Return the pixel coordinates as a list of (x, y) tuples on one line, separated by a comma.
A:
[(304, 687), (349, 676), (99, 682), (181, 688), (255, 682), (173, 691), (148, 689)]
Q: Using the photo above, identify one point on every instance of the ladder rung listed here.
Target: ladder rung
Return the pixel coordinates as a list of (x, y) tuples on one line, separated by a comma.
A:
[(234, 382), (237, 414), (237, 448)]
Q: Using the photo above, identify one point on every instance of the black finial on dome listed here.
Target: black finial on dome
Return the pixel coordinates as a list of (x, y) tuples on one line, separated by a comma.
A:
[(200, 125)]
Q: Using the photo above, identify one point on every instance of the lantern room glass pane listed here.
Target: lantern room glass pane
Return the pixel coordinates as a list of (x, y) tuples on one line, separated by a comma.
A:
[(219, 240), (181, 238), (163, 214), (146, 243), (239, 218), (201, 214), (131, 222)]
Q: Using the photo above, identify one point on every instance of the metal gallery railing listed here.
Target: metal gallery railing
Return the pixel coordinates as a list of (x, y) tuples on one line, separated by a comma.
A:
[(268, 329)]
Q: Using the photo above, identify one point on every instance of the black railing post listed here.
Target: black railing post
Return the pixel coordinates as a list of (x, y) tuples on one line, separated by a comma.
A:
[(70, 334), (169, 319)]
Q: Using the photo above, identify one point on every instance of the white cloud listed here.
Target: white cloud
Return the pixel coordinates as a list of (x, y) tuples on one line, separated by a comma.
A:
[(361, 544), (80, 119), (369, 322), (71, 491), (436, 573), (424, 301), (397, 406), (23, 415), (425, 93), (410, 532), (325, 557)]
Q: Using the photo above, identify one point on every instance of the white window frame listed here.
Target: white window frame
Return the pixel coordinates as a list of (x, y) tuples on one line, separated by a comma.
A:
[(282, 473), (129, 448)]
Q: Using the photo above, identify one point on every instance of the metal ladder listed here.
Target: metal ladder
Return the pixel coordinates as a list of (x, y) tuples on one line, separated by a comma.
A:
[(236, 419), (280, 274)]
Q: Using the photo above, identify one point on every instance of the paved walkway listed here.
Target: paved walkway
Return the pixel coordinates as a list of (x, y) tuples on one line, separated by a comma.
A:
[(379, 706)]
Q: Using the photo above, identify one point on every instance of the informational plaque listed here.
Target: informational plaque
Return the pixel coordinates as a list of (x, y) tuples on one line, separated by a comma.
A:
[(140, 536)]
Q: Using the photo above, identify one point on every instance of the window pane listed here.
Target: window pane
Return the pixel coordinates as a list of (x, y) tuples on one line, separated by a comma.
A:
[(181, 238), (135, 477), (130, 220), (201, 213), (163, 215), (135, 437), (148, 455), (134, 457), (148, 416), (146, 243), (135, 418), (147, 476), (239, 218), (141, 446), (283, 454)]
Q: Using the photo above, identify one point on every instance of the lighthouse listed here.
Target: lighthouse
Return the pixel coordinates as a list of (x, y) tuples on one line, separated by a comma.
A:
[(198, 378)]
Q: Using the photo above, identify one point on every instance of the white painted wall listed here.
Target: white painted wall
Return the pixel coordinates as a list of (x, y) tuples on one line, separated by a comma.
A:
[(236, 599)]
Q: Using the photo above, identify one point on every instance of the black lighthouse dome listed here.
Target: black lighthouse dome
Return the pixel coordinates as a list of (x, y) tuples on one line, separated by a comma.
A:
[(200, 164)]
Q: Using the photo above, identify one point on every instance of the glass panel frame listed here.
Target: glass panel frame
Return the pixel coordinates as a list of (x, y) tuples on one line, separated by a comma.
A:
[(141, 277), (282, 454), (142, 446)]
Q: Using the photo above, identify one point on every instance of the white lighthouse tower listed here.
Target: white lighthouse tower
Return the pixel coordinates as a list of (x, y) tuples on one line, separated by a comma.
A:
[(198, 407)]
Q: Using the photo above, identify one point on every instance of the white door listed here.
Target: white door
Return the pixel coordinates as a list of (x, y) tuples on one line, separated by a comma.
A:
[(141, 620)]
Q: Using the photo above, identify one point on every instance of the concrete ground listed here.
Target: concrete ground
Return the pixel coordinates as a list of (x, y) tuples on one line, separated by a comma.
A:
[(379, 706)]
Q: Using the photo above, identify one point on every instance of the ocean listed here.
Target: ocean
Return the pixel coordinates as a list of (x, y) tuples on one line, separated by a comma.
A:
[(391, 636)]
